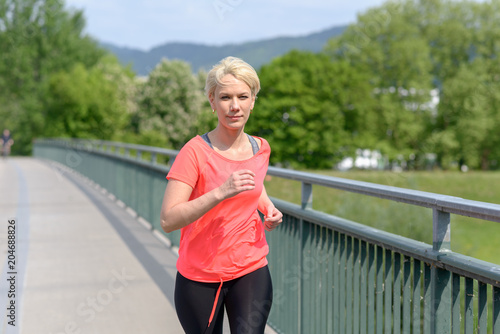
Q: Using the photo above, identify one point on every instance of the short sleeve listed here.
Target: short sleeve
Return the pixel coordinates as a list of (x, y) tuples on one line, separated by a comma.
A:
[(186, 165)]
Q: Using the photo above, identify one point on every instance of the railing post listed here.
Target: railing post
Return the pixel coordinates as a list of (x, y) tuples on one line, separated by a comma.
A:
[(139, 154), (153, 159), (441, 240), (306, 204), (307, 196), (441, 283)]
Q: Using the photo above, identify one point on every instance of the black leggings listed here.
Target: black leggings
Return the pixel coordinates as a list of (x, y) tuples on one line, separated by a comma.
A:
[(247, 301)]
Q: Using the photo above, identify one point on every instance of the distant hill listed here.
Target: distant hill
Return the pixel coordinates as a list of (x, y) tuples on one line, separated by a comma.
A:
[(201, 56)]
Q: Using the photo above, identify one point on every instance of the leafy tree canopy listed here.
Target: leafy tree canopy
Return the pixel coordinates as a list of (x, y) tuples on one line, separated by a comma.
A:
[(38, 38)]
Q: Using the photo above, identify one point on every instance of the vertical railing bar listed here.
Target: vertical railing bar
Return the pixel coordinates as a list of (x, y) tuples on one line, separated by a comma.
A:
[(469, 307), (427, 298), (292, 257), (295, 257), (306, 314), (364, 286), (336, 283), (482, 308), (406, 295), (315, 278), (300, 249), (396, 306), (496, 310), (388, 292), (330, 279), (455, 305), (356, 286), (417, 282), (371, 290), (380, 290), (320, 286), (342, 285), (349, 285), (307, 305), (441, 286), (325, 288)]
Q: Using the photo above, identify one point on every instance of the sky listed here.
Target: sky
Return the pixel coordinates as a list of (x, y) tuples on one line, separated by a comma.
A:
[(144, 24)]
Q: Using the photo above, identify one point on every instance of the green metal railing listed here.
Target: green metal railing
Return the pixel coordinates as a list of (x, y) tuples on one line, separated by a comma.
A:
[(330, 275)]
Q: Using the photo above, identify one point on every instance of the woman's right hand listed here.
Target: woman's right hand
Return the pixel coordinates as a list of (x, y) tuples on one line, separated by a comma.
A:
[(237, 182)]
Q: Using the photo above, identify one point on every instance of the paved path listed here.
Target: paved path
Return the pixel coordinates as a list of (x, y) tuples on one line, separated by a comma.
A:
[(83, 264)]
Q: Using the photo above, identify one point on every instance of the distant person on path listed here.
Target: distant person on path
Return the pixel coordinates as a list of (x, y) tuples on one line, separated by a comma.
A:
[(215, 187), (6, 142)]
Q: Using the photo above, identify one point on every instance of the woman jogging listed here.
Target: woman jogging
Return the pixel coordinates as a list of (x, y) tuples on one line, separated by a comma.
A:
[(215, 187)]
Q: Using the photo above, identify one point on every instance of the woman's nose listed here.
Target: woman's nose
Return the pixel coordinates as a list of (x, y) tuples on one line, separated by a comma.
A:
[(234, 105)]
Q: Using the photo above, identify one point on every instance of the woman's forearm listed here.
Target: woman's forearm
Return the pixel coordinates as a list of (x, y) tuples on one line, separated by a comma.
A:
[(184, 213), (178, 211)]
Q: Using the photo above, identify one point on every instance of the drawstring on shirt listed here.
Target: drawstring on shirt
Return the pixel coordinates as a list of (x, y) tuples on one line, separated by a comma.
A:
[(215, 303)]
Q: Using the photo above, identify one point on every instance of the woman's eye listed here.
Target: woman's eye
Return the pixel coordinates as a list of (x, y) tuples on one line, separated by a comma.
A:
[(244, 97)]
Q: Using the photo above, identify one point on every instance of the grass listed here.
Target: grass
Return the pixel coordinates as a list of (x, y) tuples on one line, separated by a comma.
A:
[(471, 237)]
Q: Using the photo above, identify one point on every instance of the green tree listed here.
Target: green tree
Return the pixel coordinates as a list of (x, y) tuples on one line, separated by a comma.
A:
[(170, 103), (309, 110), (387, 45), (412, 49), (470, 113), (206, 120), (85, 104), (37, 38)]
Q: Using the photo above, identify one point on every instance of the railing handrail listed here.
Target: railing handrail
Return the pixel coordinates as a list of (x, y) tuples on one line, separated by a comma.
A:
[(444, 203), (106, 143), (451, 204)]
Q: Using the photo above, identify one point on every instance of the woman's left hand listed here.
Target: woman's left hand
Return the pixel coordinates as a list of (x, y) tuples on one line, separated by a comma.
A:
[(273, 219)]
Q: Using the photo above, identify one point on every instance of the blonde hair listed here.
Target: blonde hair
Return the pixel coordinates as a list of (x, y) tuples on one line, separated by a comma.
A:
[(236, 67)]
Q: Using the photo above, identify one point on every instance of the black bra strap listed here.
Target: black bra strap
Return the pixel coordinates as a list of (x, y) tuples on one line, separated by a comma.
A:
[(206, 139), (255, 146), (253, 142)]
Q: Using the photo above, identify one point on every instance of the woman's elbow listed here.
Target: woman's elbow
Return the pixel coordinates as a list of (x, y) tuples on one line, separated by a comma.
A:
[(166, 223)]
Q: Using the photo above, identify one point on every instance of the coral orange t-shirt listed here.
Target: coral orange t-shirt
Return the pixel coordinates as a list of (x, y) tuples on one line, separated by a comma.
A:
[(229, 240)]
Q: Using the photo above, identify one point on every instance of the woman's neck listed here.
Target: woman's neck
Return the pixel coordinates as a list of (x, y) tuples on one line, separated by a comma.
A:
[(226, 139)]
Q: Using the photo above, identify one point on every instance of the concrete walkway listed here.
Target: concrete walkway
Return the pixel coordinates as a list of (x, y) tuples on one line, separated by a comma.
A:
[(83, 264)]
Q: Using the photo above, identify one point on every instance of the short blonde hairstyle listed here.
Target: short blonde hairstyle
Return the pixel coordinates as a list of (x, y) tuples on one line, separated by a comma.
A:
[(236, 67)]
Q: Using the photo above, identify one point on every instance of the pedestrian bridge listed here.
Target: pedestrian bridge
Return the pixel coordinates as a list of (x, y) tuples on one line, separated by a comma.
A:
[(90, 256)]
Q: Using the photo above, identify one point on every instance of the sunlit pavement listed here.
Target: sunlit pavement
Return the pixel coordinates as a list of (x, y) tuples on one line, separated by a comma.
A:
[(83, 264)]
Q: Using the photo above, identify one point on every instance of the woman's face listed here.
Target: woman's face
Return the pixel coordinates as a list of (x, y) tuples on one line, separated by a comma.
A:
[(233, 102)]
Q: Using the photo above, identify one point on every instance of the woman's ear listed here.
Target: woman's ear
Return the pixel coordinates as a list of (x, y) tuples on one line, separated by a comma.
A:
[(211, 100)]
